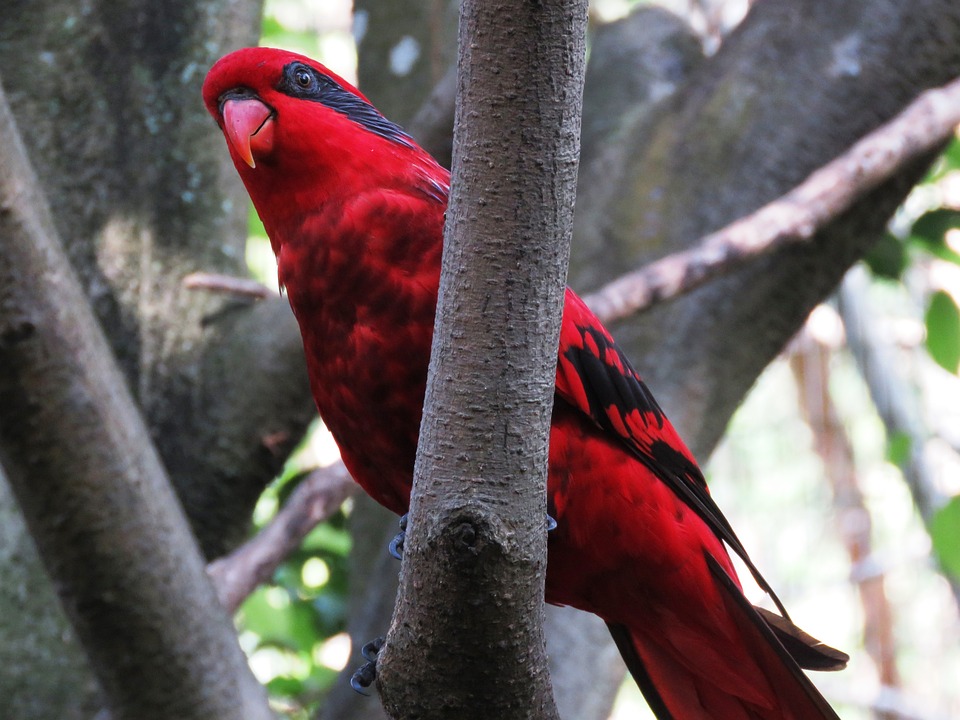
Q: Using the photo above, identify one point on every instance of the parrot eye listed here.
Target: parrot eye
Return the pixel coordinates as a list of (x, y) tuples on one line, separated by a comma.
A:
[(303, 78)]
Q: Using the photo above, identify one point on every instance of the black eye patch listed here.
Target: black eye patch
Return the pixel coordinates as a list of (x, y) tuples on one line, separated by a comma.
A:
[(304, 82)]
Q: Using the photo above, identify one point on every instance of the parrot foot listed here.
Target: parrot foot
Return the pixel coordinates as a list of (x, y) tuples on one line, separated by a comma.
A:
[(551, 523), (364, 677), (395, 548)]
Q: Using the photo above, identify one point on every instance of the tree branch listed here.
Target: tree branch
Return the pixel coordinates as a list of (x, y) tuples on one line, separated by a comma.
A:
[(810, 363), (476, 538), (432, 126), (315, 499), (797, 216), (92, 489), (217, 282)]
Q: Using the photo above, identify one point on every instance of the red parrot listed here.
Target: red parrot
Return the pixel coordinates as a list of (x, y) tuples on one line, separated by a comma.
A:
[(354, 209)]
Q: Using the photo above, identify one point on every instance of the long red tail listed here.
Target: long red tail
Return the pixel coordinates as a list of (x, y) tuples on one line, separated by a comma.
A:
[(680, 688)]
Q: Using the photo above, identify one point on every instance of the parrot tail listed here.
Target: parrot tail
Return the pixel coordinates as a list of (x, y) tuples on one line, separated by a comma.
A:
[(678, 689)]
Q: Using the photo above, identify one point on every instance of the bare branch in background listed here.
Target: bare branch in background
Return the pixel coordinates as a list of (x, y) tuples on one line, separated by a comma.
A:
[(796, 217), (432, 126), (316, 498), (214, 282), (810, 363)]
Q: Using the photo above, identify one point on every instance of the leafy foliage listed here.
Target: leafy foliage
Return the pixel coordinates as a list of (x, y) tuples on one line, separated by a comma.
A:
[(943, 330)]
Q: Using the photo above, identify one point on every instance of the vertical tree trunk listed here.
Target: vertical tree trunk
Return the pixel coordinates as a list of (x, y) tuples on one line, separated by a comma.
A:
[(95, 496), (472, 645)]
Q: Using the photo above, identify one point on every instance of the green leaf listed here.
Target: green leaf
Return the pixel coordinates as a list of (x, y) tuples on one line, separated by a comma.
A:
[(254, 223), (286, 686), (945, 533), (289, 481), (899, 446), (943, 331), (946, 163), (327, 538), (930, 230), (887, 258), (951, 156), (291, 624)]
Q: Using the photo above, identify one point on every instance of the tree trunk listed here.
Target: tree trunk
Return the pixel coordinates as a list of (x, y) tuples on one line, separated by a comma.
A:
[(143, 195), (473, 645), (95, 497)]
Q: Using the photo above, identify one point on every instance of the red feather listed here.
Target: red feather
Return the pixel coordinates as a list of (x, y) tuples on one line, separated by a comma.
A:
[(354, 210)]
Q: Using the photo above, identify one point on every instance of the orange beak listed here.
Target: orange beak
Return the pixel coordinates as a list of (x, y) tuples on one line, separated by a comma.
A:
[(248, 125)]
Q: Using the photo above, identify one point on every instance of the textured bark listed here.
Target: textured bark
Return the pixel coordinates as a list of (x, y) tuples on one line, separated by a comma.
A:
[(109, 95), (923, 128), (108, 92), (472, 646), (94, 494), (314, 500), (45, 673), (658, 50), (144, 195)]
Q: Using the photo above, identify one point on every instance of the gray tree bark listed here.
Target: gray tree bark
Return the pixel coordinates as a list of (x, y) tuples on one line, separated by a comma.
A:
[(93, 492), (466, 638), (45, 673), (792, 87), (109, 96), (145, 195)]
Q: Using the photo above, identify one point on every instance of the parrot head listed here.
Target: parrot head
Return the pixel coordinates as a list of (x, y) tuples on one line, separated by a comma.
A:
[(289, 122)]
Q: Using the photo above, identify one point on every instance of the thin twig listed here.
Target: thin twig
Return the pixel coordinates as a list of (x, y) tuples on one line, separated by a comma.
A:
[(796, 217), (317, 497), (227, 284), (810, 363)]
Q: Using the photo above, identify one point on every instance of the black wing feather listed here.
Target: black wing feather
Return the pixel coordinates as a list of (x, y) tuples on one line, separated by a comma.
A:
[(610, 388)]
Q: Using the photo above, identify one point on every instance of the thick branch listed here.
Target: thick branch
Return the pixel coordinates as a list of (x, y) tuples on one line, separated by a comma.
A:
[(316, 498), (476, 535), (797, 216), (737, 135), (92, 489)]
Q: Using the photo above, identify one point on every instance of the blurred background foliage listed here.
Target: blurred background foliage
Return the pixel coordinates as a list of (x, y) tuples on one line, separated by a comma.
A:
[(809, 472)]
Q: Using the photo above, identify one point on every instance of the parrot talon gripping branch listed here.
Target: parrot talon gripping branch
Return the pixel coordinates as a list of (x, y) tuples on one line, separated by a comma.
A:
[(395, 548), (354, 210), (367, 673)]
